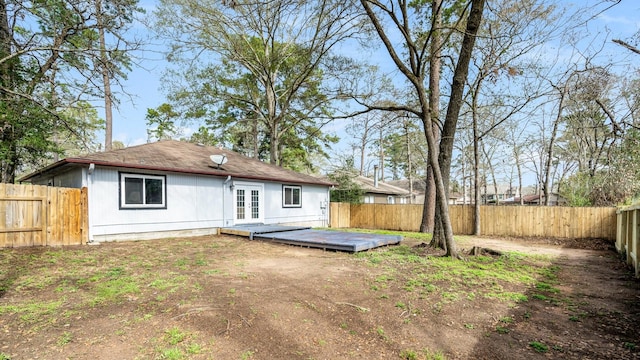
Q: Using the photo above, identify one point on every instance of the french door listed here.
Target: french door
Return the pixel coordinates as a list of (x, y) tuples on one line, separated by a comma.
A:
[(248, 204)]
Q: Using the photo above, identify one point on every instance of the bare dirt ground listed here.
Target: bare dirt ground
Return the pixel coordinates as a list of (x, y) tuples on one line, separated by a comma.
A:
[(231, 298)]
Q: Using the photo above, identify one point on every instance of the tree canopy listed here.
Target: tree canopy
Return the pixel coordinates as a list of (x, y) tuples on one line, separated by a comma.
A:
[(262, 77), (50, 57)]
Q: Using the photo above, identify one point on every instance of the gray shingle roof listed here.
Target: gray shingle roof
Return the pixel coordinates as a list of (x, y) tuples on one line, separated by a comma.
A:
[(184, 157), (368, 185)]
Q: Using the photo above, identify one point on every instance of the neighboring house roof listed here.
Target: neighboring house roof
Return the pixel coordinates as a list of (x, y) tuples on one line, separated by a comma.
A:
[(368, 186), (502, 189), (182, 157), (533, 199), (418, 184), (455, 195)]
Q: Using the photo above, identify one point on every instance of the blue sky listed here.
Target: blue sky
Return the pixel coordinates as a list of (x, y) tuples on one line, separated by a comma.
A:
[(144, 82)]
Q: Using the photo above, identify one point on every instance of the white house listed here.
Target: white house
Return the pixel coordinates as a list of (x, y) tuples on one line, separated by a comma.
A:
[(378, 192), (173, 188)]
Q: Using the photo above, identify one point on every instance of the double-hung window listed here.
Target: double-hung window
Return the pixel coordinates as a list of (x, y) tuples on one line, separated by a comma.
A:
[(291, 196), (139, 191)]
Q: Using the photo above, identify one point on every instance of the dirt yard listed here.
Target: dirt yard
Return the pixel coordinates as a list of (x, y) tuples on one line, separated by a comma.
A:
[(231, 298)]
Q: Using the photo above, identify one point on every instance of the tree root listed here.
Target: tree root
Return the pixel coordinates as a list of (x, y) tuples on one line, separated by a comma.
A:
[(360, 308), (478, 250), (191, 311)]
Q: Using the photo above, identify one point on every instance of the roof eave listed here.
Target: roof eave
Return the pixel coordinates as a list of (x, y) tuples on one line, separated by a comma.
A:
[(220, 173)]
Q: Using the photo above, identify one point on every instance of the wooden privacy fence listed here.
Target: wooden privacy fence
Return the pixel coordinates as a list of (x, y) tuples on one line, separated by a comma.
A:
[(35, 215), (522, 221), (628, 235)]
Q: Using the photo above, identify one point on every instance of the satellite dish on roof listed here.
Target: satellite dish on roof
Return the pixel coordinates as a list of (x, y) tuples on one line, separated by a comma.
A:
[(218, 159)]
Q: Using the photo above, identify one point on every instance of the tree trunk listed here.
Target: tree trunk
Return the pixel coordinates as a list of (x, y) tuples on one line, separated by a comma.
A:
[(7, 131), (554, 132), (455, 103), (363, 146), (381, 154), (476, 181), (273, 146), (254, 139), (106, 80), (429, 208), (492, 174), (410, 175), (516, 154)]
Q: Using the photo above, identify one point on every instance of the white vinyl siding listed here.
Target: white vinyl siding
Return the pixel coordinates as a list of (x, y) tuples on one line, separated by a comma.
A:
[(196, 205)]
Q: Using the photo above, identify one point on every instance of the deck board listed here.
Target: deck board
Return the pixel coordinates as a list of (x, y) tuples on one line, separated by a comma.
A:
[(307, 237)]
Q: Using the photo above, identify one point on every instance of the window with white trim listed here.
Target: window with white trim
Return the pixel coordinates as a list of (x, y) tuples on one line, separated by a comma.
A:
[(291, 196), (139, 191)]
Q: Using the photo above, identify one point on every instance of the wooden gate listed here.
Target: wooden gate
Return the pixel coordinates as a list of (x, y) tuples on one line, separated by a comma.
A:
[(35, 215)]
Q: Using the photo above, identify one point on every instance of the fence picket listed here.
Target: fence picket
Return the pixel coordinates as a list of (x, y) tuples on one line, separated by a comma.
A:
[(523, 221)]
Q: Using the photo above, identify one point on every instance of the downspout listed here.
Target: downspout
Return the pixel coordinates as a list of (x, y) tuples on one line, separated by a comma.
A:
[(90, 170), (327, 203), (224, 203)]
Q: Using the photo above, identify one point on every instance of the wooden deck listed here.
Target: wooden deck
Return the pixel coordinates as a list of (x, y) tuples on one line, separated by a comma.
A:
[(307, 237)]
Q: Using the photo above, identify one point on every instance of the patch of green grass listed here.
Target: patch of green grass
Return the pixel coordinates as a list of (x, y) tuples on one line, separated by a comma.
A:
[(172, 282), (550, 273), (426, 354), (384, 278), (33, 312), (547, 287), (479, 275), (4, 356), (540, 297), (182, 263), (630, 345), (113, 290), (194, 349), (247, 355), (450, 296), (539, 347), (419, 282), (174, 345), (502, 330), (64, 339), (172, 354), (115, 272), (175, 336), (409, 355), (507, 296), (506, 319)]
